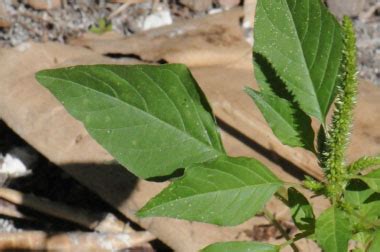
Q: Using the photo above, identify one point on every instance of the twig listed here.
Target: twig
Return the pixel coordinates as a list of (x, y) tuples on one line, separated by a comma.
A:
[(10, 210), (275, 223), (73, 241), (98, 222), (124, 6), (365, 16)]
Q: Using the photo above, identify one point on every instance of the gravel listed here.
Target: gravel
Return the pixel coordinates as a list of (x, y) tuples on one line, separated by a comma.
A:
[(77, 17), (368, 42)]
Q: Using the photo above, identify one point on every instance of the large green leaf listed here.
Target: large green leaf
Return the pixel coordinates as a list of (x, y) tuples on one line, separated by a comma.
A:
[(302, 211), (333, 230), (152, 119), (303, 43), (291, 126), (225, 191), (240, 247), (372, 179)]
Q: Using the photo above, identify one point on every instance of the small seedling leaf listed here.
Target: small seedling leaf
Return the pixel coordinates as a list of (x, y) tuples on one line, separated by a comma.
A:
[(152, 119), (333, 230), (302, 211), (240, 247), (226, 191)]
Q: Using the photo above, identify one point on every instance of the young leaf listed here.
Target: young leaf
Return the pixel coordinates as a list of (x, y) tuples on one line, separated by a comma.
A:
[(333, 230), (226, 191), (290, 128), (152, 119), (302, 211), (303, 43), (240, 247), (363, 240), (372, 179), (375, 245)]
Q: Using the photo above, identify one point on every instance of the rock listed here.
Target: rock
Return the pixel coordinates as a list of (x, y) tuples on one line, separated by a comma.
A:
[(228, 4), (44, 4), (350, 8), (160, 17), (195, 5)]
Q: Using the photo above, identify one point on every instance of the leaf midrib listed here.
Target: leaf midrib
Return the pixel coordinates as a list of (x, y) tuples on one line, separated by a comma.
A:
[(303, 55), (136, 108), (211, 193), (302, 52)]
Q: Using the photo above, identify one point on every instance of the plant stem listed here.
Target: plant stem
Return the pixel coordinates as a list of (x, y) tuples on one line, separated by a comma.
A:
[(275, 223), (292, 241)]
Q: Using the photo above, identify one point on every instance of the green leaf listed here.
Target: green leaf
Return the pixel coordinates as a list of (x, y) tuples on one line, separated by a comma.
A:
[(362, 239), (372, 179), (333, 230), (240, 247), (365, 200), (375, 245), (226, 191), (291, 126), (303, 43), (152, 119), (302, 211), (357, 193)]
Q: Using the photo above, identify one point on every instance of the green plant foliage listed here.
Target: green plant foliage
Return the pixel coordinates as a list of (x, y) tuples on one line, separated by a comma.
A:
[(101, 27), (372, 179), (365, 202), (155, 120), (363, 240), (241, 247), (337, 140), (283, 120), (152, 119), (226, 191), (363, 163), (302, 211), (375, 244), (333, 230), (289, 123), (303, 43)]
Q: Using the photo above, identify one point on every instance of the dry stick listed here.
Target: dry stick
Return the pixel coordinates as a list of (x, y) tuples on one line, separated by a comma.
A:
[(364, 17), (275, 223), (10, 210), (92, 221), (73, 241), (123, 7)]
